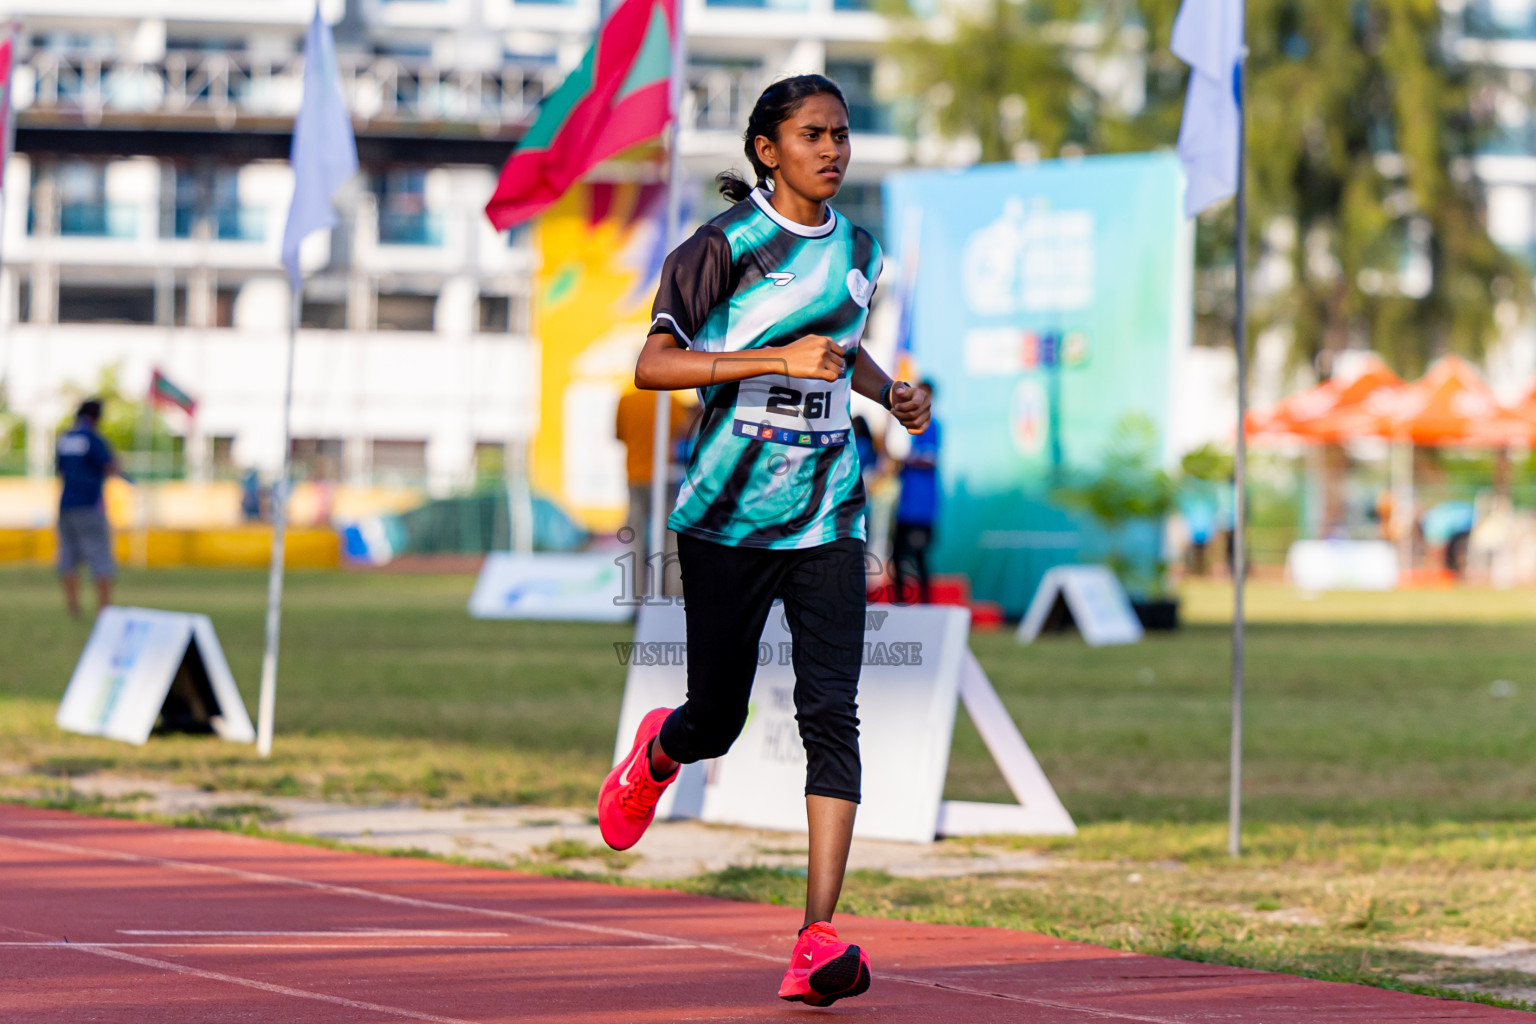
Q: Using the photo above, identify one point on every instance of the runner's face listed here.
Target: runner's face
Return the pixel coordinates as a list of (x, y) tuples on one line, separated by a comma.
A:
[(811, 153)]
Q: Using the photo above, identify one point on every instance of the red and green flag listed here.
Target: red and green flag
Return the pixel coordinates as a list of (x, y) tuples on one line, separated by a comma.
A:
[(163, 392), (617, 97), (7, 129)]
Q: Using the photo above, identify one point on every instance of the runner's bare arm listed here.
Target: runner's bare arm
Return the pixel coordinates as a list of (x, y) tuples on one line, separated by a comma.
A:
[(908, 404), (665, 365)]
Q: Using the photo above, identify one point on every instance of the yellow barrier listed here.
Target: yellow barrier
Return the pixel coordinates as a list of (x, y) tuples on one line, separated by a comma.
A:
[(238, 547)]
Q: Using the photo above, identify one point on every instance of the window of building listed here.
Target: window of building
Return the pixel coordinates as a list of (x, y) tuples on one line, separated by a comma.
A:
[(496, 309), (206, 44), (398, 463), (401, 311), (83, 210), (105, 304), (724, 92), (1500, 19), (221, 458), (322, 315), (213, 192), (316, 458), (774, 5), (857, 80), (403, 215)]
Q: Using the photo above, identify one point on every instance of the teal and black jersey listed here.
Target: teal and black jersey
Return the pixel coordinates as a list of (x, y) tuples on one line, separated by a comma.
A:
[(772, 465)]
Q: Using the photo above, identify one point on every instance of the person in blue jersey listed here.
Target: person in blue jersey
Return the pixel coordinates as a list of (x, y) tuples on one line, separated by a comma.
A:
[(84, 460), (917, 510), (763, 310)]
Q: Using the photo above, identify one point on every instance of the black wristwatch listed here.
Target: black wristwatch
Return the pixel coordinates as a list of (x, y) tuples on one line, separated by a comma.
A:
[(885, 393)]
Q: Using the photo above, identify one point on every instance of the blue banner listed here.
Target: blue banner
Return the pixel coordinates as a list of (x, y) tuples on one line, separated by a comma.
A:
[(1050, 302)]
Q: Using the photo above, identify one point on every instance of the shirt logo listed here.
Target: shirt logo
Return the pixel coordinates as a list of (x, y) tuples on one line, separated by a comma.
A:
[(780, 279), (860, 287), (750, 429)]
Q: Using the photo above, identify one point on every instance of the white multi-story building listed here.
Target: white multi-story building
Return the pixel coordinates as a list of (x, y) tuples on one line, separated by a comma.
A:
[(145, 203), (1499, 36)]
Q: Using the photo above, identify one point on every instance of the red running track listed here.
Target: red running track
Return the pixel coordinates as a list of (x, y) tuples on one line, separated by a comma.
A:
[(127, 923)]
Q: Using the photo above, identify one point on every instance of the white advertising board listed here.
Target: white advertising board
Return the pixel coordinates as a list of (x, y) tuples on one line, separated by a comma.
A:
[(916, 666), (141, 664), (1093, 599), (570, 588), (1318, 565)]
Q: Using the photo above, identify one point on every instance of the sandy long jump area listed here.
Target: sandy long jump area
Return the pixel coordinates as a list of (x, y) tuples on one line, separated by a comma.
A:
[(123, 922)]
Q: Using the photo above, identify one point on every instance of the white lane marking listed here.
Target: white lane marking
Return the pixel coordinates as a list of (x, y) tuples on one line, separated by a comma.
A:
[(347, 890), (490, 947), (264, 986), (334, 933), (233, 979)]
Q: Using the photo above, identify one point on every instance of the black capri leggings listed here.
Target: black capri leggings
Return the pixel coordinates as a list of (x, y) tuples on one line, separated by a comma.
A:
[(728, 593)]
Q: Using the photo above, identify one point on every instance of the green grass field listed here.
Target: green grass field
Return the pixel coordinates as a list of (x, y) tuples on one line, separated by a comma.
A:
[(1391, 785)]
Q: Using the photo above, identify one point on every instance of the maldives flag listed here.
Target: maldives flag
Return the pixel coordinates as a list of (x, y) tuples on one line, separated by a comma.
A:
[(163, 392), (617, 97)]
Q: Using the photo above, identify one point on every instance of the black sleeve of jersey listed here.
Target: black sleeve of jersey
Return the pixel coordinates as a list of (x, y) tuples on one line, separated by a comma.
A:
[(695, 278)]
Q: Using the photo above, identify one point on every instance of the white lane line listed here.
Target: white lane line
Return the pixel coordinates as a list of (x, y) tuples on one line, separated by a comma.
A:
[(233, 979), (263, 986), (347, 890), (361, 946), (334, 933)]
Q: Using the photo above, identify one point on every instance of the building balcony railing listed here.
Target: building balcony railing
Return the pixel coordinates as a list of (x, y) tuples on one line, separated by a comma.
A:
[(721, 99), (99, 220), (227, 88), (228, 223), (222, 90), (423, 227)]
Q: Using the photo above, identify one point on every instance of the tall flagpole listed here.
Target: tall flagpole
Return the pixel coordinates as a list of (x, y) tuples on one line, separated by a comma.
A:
[(268, 700), (661, 440), (1239, 473)]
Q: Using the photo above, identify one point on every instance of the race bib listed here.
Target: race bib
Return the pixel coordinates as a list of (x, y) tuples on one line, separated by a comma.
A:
[(793, 410)]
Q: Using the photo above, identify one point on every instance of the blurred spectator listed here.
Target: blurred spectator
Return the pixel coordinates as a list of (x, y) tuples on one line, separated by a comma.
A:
[(84, 460), (1447, 527), (250, 496), (917, 510)]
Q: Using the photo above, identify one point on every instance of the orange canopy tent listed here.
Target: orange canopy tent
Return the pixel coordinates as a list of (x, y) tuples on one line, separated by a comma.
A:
[(1449, 405), (1301, 414)]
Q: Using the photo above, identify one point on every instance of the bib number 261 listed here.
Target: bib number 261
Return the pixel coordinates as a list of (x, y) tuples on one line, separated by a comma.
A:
[(787, 402)]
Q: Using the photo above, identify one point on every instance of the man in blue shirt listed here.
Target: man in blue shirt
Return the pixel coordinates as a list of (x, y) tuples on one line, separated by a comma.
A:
[(84, 461), (918, 510)]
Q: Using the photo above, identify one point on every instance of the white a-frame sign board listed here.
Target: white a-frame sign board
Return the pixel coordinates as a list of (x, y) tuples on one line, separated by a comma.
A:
[(917, 668), (143, 667), (1087, 596)]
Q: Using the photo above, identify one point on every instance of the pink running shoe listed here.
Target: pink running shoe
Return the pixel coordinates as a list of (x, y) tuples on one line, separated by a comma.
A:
[(823, 969), (627, 802)]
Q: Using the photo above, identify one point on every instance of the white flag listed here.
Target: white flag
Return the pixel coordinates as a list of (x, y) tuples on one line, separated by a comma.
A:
[(1208, 36), (324, 154)]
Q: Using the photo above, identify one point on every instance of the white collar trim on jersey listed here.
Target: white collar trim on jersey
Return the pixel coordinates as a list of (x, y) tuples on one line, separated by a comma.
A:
[(803, 230)]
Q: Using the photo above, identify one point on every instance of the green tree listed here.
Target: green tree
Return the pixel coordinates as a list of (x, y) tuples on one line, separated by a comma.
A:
[(1360, 130), (1001, 77)]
